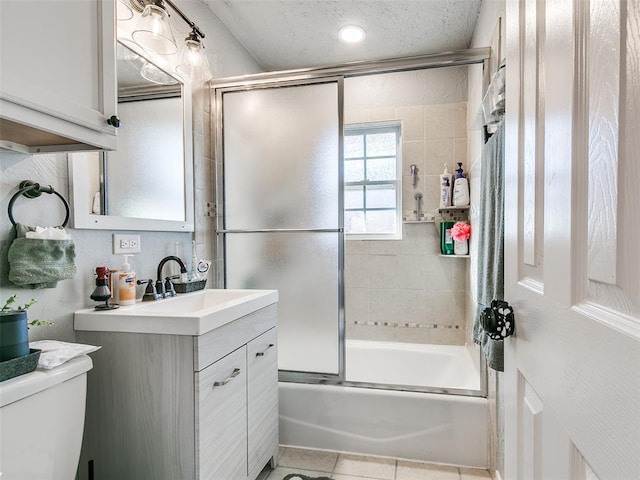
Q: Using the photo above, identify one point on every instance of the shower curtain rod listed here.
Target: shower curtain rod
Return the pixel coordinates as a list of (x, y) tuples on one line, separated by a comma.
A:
[(354, 69)]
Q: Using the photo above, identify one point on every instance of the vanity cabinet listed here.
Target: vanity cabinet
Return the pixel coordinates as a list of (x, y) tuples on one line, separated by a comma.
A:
[(183, 407), (57, 77)]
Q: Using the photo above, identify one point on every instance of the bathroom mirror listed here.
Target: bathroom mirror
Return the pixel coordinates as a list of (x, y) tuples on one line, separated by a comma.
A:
[(145, 183)]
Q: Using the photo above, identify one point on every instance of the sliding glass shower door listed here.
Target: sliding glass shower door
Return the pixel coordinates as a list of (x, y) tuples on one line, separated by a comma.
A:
[(281, 223)]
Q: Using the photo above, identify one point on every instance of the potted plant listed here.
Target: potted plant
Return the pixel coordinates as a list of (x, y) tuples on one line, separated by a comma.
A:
[(15, 356)]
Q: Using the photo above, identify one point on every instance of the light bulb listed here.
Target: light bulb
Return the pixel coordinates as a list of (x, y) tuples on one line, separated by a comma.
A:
[(193, 53), (153, 31), (351, 34), (193, 57)]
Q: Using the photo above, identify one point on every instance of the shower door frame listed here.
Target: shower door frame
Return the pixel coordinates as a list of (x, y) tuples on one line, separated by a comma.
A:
[(221, 281), (308, 76)]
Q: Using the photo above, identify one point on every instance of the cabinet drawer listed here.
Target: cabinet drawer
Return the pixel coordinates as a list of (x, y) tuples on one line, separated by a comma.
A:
[(219, 342), (221, 426), (262, 394)]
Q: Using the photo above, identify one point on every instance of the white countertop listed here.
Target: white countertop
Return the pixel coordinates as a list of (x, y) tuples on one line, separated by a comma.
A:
[(193, 313)]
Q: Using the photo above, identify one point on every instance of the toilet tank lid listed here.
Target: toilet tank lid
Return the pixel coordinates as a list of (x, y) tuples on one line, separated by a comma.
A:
[(31, 383)]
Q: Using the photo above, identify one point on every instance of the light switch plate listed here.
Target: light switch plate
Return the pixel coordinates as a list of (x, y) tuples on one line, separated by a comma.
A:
[(126, 244)]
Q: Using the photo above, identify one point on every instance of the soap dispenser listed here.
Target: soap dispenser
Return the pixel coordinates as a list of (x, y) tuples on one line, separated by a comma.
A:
[(460, 189), (126, 283)]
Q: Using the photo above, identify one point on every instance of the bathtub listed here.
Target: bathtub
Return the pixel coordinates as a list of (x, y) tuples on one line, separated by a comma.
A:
[(440, 366), (431, 427)]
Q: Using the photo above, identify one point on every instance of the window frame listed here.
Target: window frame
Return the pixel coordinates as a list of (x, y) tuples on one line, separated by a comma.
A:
[(363, 129)]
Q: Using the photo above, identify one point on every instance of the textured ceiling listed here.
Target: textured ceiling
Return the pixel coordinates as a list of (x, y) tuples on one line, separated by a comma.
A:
[(287, 34)]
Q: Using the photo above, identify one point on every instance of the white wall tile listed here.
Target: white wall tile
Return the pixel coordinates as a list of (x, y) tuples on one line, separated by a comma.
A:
[(414, 239), (355, 271), (445, 121), (439, 273), (406, 281), (439, 308), (356, 246), (447, 336), (460, 154), (381, 114), (412, 122), (382, 247), (356, 305), (413, 153), (437, 152), (411, 272)]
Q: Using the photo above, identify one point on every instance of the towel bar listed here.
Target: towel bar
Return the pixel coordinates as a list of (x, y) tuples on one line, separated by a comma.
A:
[(33, 190)]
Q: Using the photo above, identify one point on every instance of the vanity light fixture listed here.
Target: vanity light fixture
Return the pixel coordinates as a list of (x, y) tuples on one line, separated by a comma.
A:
[(153, 31), (193, 57), (351, 34)]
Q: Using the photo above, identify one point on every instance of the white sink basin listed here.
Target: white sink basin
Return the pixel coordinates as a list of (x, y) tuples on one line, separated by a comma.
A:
[(185, 314)]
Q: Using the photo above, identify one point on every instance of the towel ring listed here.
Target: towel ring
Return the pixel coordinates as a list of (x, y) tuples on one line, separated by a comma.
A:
[(33, 190)]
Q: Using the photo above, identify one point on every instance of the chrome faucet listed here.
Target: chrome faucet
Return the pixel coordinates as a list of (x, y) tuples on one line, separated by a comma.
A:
[(166, 289)]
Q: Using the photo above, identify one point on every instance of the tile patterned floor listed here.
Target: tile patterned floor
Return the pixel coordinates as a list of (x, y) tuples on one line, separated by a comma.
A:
[(342, 466)]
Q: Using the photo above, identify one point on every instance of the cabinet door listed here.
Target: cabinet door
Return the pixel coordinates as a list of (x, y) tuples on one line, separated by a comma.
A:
[(221, 424), (262, 394), (58, 72)]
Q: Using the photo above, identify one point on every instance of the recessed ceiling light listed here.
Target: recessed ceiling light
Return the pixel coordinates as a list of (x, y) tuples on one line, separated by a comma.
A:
[(351, 33)]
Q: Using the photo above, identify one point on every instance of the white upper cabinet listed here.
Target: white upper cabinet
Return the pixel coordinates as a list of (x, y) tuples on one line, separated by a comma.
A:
[(57, 75)]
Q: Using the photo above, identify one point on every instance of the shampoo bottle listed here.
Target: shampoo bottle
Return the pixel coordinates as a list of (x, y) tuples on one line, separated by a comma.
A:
[(126, 283), (446, 182), (446, 240), (460, 189)]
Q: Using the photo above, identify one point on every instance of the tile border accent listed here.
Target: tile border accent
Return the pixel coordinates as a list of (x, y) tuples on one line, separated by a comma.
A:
[(405, 325)]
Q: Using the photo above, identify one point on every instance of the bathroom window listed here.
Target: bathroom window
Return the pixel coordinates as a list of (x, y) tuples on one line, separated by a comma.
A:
[(372, 189)]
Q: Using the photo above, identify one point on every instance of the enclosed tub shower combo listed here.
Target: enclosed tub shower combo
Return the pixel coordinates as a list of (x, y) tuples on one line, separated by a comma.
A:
[(374, 351)]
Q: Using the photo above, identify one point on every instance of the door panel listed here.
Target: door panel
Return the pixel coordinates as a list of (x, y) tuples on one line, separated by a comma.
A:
[(281, 162), (572, 371), (221, 393), (262, 399), (304, 268), (282, 211)]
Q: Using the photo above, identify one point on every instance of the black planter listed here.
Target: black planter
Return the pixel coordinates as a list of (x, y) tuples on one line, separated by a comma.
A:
[(14, 335)]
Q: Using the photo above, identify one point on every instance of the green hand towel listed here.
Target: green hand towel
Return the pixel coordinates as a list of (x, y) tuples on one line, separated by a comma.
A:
[(493, 350), (40, 263), (490, 231)]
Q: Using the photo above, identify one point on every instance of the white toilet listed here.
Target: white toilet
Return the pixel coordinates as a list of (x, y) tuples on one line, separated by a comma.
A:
[(41, 422)]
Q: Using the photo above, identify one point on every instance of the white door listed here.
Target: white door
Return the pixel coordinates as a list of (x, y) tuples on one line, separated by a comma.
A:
[(572, 240)]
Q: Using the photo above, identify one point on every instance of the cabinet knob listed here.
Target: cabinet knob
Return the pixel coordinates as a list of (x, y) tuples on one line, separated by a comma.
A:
[(114, 121)]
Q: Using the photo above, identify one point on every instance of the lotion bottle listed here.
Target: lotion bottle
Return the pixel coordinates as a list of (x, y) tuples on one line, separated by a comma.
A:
[(126, 283), (460, 189), (446, 183)]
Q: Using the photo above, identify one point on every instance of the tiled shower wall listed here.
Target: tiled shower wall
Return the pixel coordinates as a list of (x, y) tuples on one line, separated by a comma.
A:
[(403, 290)]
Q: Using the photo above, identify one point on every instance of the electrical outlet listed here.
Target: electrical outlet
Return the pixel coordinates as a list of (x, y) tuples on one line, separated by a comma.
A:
[(126, 244)]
